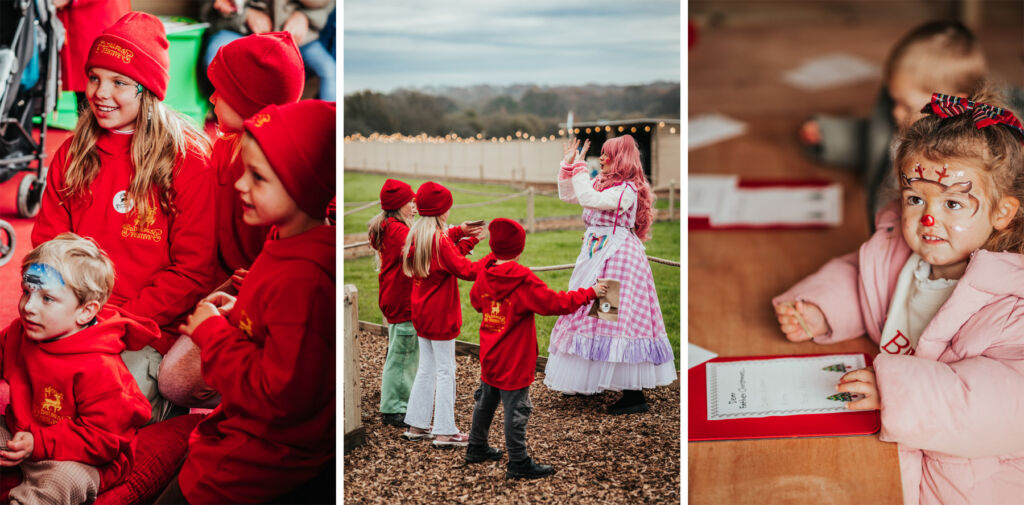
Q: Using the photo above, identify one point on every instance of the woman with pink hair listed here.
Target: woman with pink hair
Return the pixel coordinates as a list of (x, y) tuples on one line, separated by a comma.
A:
[(586, 354)]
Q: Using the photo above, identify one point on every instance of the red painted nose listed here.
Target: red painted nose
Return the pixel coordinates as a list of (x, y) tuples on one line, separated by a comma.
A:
[(928, 220)]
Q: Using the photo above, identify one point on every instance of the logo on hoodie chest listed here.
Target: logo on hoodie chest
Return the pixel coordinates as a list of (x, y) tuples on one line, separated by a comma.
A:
[(495, 318), (48, 409)]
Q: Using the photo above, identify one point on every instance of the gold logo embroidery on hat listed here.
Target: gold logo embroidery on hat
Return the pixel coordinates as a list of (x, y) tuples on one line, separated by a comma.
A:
[(260, 119), (115, 50)]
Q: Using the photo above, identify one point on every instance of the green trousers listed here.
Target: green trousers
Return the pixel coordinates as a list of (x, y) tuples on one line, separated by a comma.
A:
[(399, 368)]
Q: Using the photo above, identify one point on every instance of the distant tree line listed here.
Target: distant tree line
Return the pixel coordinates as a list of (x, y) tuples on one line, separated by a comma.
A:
[(498, 112)]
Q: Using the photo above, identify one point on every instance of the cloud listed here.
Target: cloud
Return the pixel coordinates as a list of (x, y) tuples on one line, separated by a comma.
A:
[(447, 42)]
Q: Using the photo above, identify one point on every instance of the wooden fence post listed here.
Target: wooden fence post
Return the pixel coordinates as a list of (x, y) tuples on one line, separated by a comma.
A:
[(355, 433), (531, 219), (672, 198)]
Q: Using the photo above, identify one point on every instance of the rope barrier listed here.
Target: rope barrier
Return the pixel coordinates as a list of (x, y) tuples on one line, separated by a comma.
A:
[(570, 266), (365, 206), (356, 244), (474, 192), (481, 204)]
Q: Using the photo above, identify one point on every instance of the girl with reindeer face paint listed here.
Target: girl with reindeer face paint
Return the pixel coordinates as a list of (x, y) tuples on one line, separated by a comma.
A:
[(940, 288)]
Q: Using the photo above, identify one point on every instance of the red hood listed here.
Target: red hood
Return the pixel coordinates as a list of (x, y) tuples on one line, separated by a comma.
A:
[(500, 280), (115, 331), (316, 246)]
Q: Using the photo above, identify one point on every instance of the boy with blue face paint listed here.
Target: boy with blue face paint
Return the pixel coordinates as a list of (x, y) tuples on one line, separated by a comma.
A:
[(74, 407)]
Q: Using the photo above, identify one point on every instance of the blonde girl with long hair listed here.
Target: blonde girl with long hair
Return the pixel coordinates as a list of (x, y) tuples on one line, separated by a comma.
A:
[(134, 176), (434, 258), (388, 232)]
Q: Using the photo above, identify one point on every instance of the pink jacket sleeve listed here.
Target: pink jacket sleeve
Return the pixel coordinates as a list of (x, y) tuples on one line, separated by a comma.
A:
[(566, 193), (966, 408), (834, 289)]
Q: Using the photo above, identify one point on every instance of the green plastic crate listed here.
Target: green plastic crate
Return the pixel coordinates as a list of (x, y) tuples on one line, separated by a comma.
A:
[(185, 36)]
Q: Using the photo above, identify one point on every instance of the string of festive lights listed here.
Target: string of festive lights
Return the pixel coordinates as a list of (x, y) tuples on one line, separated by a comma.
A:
[(479, 137)]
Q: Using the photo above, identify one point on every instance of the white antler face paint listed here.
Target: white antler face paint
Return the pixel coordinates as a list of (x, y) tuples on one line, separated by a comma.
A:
[(42, 276), (946, 212)]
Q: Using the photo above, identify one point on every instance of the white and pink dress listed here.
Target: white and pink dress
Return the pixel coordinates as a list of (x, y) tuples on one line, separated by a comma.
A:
[(586, 354)]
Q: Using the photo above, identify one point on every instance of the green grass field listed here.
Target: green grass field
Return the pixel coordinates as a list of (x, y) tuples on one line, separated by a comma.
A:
[(360, 187), (542, 249)]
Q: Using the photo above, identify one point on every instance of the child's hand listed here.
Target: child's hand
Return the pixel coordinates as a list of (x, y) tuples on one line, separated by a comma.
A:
[(223, 301), (601, 288), (790, 325), (204, 310), (237, 278), (297, 25), (861, 382), (810, 133), (19, 449), (258, 21), (225, 7)]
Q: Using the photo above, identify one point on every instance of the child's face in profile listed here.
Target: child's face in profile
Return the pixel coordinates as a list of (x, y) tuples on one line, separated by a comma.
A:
[(408, 210), (48, 308), (909, 97), (228, 120), (265, 201), (947, 212), (114, 98)]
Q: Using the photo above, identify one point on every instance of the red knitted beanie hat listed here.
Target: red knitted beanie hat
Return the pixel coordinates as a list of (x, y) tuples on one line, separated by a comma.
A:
[(298, 140), (394, 194), (256, 71), (507, 238), (135, 46), (433, 199)]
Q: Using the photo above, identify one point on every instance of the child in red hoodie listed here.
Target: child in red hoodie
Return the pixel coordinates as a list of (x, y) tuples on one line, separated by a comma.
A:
[(134, 176), (249, 74), (509, 294), (270, 353), (434, 259), (387, 232), (75, 408)]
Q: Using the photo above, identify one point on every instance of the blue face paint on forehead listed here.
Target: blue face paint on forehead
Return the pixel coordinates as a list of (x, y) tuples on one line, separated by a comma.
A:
[(42, 276)]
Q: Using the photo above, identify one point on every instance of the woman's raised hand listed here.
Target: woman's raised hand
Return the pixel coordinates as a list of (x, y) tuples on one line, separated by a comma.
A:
[(569, 150), (582, 153)]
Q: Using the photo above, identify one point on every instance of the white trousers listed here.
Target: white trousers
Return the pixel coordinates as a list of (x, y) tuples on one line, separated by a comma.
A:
[(433, 390)]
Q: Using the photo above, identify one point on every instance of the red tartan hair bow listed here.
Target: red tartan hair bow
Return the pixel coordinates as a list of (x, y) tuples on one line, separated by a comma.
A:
[(983, 114)]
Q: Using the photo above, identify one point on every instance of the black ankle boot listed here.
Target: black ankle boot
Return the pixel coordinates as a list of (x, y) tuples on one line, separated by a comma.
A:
[(397, 419), (479, 454), (632, 402), (527, 469)]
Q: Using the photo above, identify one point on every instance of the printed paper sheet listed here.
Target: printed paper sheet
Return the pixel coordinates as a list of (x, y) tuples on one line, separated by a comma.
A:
[(777, 387)]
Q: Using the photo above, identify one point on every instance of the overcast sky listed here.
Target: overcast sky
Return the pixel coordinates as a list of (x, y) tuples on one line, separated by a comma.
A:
[(412, 43)]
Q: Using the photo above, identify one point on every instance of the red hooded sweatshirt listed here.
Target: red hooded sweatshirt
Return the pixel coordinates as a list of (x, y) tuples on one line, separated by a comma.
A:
[(85, 20), (395, 286), (75, 395), (272, 359), (238, 243), (509, 295), (436, 309), (163, 267)]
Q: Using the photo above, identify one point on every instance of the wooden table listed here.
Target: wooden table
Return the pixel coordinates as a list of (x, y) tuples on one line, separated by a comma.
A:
[(733, 276)]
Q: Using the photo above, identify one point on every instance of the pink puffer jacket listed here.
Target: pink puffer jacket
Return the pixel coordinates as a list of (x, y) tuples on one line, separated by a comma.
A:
[(956, 407)]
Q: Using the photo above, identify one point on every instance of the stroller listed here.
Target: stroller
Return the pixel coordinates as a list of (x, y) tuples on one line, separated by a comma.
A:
[(30, 38)]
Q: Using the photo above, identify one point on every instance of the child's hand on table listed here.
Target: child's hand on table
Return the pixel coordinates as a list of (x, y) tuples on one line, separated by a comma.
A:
[(860, 382), (19, 448), (790, 315)]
